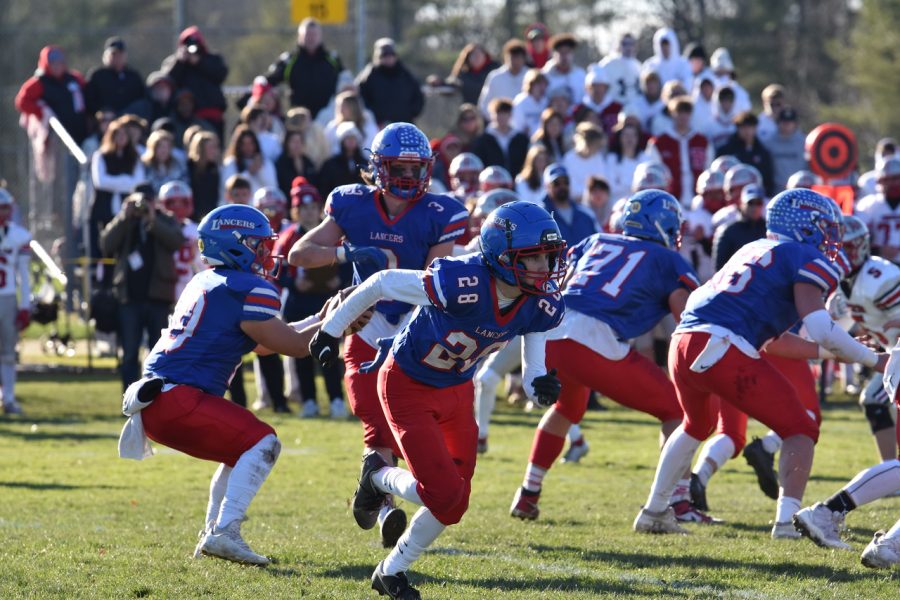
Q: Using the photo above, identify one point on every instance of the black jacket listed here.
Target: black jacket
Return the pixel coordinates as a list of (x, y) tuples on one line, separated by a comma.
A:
[(488, 149), (285, 170), (108, 88), (204, 79), (311, 77), (392, 94), (338, 170), (205, 187), (732, 238), (757, 156)]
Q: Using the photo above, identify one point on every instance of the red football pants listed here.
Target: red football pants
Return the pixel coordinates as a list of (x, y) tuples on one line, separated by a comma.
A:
[(753, 386), (362, 394), (635, 381), (204, 426), (733, 422), (436, 431)]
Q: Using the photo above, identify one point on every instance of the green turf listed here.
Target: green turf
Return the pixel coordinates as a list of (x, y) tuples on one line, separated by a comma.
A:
[(77, 522)]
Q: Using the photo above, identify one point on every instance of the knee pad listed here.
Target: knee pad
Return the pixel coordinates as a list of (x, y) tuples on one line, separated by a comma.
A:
[(879, 417)]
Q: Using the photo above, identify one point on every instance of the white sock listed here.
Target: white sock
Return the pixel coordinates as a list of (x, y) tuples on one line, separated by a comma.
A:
[(247, 476), (217, 492), (715, 452), (574, 433), (421, 533), (771, 442), (8, 376), (534, 477), (398, 482), (875, 482), (894, 531), (682, 491), (786, 508), (675, 459), (486, 382)]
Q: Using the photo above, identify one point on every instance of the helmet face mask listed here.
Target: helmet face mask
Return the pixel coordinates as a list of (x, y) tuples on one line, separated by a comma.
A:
[(178, 199), (856, 242), (516, 233), (401, 161), (237, 236)]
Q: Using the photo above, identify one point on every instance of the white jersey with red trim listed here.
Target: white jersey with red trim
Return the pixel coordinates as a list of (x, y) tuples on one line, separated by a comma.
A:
[(882, 220), (15, 254), (874, 299), (187, 258)]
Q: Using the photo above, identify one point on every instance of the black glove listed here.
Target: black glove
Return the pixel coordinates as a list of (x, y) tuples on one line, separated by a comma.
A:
[(546, 388), (324, 348)]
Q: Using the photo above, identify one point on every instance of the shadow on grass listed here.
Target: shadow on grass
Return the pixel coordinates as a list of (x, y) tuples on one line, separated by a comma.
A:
[(43, 486), (75, 436), (550, 582), (768, 569)]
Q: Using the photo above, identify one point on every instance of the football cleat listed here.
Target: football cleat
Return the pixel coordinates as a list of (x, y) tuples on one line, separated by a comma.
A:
[(392, 527), (226, 542), (698, 493), (882, 552), (201, 537), (367, 499), (310, 409), (658, 522), (785, 531), (12, 408), (576, 452), (820, 524), (338, 409), (482, 445), (685, 512), (394, 586), (525, 505), (764, 464)]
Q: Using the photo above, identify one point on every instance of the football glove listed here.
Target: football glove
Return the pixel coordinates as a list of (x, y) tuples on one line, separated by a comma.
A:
[(546, 388), (324, 348), (366, 255)]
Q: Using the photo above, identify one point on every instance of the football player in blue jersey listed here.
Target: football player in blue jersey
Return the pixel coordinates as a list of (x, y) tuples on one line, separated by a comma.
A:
[(619, 287), (467, 308), (223, 313), (750, 304), (394, 223)]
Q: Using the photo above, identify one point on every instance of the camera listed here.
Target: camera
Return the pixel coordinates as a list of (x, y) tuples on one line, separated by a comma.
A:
[(193, 46)]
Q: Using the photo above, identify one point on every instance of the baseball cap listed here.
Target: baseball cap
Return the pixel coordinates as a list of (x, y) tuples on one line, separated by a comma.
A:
[(115, 42), (553, 172), (385, 47), (303, 193), (751, 192)]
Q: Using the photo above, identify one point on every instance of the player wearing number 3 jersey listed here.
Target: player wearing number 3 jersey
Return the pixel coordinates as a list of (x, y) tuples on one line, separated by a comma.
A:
[(619, 287), (223, 313), (764, 289), (392, 224), (468, 307)]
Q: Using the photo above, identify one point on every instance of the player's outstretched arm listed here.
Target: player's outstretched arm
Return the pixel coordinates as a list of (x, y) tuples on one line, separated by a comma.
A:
[(828, 334), (318, 246)]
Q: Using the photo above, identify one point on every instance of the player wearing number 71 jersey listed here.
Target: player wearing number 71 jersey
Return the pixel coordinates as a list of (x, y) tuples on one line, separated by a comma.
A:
[(619, 287), (766, 287), (468, 307)]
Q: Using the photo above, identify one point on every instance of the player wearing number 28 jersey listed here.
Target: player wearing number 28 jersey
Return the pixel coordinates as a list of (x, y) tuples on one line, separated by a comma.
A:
[(468, 307), (620, 287), (764, 289)]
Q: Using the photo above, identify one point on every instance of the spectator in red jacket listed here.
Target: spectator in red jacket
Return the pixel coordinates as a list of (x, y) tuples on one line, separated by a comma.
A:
[(536, 36), (57, 88)]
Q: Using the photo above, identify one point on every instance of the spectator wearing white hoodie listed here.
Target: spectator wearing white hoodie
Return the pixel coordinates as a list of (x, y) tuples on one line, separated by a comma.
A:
[(703, 96), (623, 71), (530, 103), (598, 98), (561, 68), (773, 99), (667, 60), (723, 68), (649, 103), (721, 127), (586, 158), (505, 81)]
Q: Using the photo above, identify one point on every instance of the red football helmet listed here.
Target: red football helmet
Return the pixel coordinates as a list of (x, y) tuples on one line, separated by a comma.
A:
[(464, 171), (272, 203), (889, 177), (711, 187), (737, 177), (177, 197), (723, 164), (494, 177), (802, 179)]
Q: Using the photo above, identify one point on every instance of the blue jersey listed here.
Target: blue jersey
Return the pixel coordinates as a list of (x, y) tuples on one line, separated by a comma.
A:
[(407, 238), (204, 343), (444, 343), (753, 294), (625, 282)]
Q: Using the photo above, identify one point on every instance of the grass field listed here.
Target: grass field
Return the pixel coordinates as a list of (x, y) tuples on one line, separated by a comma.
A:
[(77, 522)]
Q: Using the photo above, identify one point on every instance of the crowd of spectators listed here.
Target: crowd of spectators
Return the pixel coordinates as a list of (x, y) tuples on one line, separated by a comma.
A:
[(577, 138)]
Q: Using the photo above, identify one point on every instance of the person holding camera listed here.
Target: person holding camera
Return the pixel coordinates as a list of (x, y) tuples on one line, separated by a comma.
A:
[(143, 240), (193, 67)]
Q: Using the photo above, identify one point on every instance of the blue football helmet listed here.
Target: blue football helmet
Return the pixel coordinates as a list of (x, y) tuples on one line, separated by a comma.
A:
[(519, 229), (807, 217), (653, 215), (401, 161), (237, 236)]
